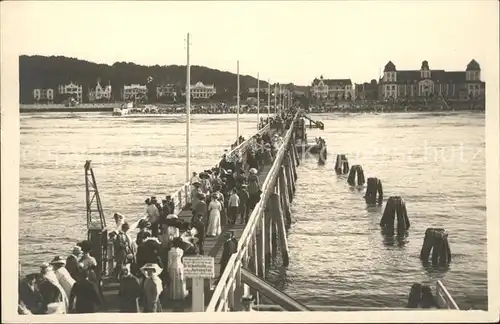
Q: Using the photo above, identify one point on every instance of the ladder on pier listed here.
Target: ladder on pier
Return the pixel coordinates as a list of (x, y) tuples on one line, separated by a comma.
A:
[(96, 222)]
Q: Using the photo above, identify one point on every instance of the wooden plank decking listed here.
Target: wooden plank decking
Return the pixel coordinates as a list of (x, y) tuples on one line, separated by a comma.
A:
[(212, 246)]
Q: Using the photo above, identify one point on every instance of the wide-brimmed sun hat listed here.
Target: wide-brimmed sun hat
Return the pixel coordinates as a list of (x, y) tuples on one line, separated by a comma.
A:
[(171, 216), (151, 266)]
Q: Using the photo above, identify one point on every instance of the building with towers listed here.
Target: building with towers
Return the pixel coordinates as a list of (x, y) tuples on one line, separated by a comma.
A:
[(428, 83)]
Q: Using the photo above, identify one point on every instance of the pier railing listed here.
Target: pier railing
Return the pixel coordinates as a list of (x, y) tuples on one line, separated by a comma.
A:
[(444, 298), (224, 296)]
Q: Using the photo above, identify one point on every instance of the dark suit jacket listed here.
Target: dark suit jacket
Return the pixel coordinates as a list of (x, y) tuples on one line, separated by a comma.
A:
[(230, 247), (72, 266)]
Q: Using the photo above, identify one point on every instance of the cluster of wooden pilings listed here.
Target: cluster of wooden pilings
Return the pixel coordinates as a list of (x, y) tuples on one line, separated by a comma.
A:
[(436, 239)]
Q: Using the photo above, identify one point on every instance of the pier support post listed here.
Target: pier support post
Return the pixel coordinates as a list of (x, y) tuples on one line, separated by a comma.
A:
[(289, 177), (261, 246), (238, 291), (294, 149), (293, 159), (285, 197), (268, 238), (275, 205), (256, 261)]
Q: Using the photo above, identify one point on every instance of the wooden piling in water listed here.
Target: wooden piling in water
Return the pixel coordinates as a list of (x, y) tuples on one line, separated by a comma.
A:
[(276, 210), (395, 208), (374, 188), (436, 241), (285, 197)]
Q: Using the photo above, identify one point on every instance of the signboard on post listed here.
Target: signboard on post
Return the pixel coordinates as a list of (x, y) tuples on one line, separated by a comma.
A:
[(198, 268)]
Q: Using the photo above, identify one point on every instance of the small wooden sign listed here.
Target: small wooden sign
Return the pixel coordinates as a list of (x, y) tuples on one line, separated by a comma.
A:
[(199, 267)]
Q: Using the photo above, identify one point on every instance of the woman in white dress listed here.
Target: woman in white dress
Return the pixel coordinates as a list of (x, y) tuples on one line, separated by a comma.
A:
[(214, 223), (177, 285)]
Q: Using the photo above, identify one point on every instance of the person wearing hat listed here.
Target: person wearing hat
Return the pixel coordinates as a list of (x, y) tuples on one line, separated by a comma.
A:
[(143, 231), (72, 262), (153, 215), (29, 294), (62, 274), (214, 217), (89, 263), (53, 294), (244, 197), (86, 292), (123, 247), (253, 190), (152, 287), (177, 287), (149, 252), (195, 192), (233, 207), (129, 291), (194, 178), (230, 247), (201, 207), (199, 230)]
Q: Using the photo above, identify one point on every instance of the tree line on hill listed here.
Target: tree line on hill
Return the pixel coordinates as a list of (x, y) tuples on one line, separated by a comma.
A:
[(51, 71)]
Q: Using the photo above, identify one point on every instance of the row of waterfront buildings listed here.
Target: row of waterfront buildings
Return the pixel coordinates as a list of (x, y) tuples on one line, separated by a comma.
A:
[(128, 92), (394, 84), (407, 84)]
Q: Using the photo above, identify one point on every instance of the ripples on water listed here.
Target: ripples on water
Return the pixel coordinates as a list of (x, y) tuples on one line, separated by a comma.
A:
[(436, 162)]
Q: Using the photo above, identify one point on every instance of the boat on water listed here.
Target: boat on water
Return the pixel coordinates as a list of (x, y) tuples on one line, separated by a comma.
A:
[(123, 110)]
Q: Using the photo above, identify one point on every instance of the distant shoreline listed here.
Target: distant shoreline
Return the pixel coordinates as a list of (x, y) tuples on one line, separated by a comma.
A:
[(196, 109)]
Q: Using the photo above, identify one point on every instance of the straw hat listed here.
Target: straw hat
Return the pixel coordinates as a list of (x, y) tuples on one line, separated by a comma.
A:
[(253, 171), (151, 266), (77, 250), (152, 238), (45, 267), (58, 260), (171, 216)]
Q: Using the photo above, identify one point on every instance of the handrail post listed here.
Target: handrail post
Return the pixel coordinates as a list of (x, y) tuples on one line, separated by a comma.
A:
[(239, 289)]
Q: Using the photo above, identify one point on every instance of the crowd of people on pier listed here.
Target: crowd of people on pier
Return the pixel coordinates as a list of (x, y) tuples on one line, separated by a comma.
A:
[(149, 268)]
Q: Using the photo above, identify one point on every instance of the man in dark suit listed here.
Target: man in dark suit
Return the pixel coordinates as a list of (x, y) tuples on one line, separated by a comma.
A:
[(72, 262), (230, 247), (199, 225)]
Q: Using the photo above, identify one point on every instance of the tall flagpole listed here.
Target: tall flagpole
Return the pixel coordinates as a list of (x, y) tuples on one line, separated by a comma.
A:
[(281, 99), (268, 98), (238, 103), (258, 101), (188, 113), (275, 98)]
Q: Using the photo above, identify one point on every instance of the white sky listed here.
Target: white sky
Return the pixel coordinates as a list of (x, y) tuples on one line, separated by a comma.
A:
[(283, 41)]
